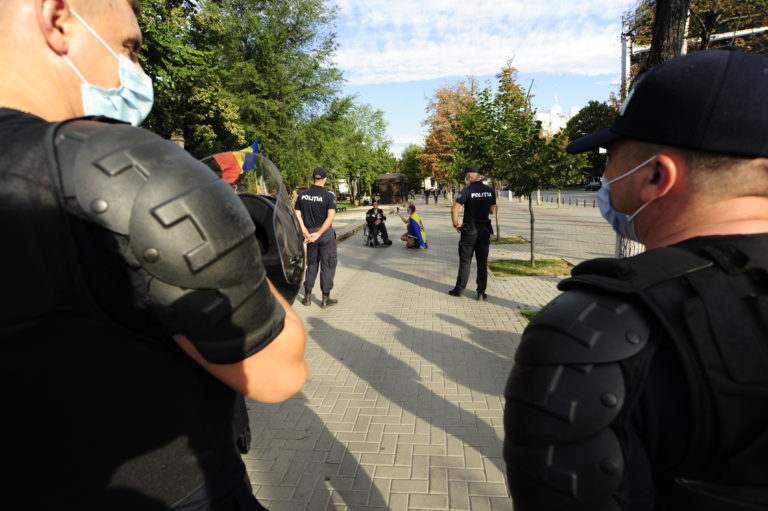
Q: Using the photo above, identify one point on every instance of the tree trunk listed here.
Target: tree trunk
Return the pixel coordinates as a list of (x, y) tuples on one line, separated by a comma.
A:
[(530, 210), (558, 199), (668, 31)]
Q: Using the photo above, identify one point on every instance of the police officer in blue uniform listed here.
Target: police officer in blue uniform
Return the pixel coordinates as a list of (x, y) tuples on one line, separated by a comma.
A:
[(316, 209), (643, 386), (478, 200), (138, 304)]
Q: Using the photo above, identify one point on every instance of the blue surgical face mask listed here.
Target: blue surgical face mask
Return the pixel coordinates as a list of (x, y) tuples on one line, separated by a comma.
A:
[(131, 102), (622, 223)]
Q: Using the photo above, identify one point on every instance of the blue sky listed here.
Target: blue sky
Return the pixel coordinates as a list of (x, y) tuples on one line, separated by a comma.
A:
[(396, 53)]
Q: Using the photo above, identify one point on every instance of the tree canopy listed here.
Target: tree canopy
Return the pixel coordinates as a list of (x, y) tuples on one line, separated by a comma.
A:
[(706, 19), (229, 72), (409, 164), (498, 132), (593, 117), (437, 159)]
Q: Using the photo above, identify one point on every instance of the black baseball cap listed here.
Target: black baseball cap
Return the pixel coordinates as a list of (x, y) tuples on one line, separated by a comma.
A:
[(714, 101), (471, 168), (319, 173)]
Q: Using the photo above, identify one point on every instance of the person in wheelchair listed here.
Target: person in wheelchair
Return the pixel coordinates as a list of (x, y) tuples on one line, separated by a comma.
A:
[(375, 219)]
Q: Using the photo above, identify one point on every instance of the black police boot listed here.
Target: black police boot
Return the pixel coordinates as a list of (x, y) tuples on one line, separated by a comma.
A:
[(456, 292), (387, 241), (481, 296), (307, 300), (328, 301)]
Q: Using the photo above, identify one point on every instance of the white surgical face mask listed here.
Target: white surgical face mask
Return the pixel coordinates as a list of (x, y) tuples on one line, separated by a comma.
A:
[(622, 223), (131, 102), (466, 180)]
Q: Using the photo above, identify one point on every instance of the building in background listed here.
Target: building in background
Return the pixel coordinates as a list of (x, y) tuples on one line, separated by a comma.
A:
[(554, 119)]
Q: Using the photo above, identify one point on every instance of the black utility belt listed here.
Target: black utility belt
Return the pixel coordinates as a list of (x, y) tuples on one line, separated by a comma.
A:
[(468, 227)]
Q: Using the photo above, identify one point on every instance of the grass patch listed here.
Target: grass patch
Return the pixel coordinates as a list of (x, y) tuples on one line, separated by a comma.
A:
[(522, 268), (529, 314), (509, 240)]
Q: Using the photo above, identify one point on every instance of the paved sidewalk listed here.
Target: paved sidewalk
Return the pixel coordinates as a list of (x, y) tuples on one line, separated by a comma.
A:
[(403, 407)]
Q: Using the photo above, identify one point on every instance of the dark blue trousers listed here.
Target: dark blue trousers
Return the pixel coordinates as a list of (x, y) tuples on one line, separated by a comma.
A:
[(475, 241), (321, 257)]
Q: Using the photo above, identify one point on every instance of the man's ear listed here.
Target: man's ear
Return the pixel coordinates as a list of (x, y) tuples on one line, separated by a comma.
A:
[(54, 20), (665, 172)]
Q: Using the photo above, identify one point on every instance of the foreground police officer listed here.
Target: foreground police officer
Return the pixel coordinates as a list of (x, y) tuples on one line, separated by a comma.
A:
[(316, 209), (375, 219), (644, 385), (135, 303), (478, 201)]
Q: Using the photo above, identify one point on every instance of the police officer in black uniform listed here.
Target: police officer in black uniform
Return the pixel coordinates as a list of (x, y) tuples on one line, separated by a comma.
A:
[(375, 219), (136, 301), (644, 385), (316, 209), (478, 201)]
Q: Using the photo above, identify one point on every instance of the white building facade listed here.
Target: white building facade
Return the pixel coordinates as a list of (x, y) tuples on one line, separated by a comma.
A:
[(554, 119)]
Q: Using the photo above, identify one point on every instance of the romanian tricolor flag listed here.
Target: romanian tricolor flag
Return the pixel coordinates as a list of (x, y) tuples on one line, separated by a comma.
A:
[(235, 163)]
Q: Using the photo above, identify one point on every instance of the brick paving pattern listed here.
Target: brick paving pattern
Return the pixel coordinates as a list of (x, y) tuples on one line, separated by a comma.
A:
[(403, 409)]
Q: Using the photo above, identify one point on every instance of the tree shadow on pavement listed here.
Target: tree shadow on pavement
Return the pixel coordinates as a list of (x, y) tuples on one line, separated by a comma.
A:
[(467, 365), (403, 386), (363, 261)]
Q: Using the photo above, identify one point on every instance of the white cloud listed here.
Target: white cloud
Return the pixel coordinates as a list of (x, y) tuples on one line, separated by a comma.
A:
[(400, 142), (385, 41)]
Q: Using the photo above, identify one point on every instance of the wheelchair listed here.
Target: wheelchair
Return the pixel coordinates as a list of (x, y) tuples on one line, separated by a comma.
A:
[(369, 238)]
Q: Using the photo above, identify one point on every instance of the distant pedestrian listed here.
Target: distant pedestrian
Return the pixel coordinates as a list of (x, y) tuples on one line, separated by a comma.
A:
[(316, 209), (435, 193), (426, 195), (478, 201)]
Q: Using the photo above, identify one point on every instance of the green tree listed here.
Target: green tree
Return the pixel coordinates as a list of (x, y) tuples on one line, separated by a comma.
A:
[(706, 18), (179, 54), (593, 117), (437, 159), (709, 17), (499, 133), (228, 72), (410, 166), (275, 57)]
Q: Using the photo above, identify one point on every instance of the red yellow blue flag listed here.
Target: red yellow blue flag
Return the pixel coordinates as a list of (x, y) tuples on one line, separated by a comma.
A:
[(235, 163)]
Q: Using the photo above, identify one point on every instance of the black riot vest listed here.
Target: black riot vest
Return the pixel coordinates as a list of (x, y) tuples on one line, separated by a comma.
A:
[(102, 411), (711, 297)]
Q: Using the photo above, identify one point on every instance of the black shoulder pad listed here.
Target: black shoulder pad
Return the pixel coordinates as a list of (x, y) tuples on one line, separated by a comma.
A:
[(186, 228), (584, 326), (565, 390), (183, 222)]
